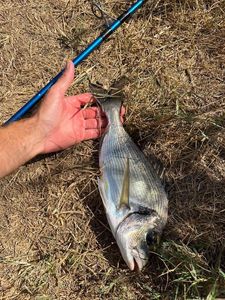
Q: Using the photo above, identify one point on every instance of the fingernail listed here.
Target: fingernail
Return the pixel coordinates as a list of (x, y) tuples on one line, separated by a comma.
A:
[(67, 65)]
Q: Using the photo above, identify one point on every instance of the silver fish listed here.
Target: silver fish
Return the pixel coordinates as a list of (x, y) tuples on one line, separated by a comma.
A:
[(135, 201)]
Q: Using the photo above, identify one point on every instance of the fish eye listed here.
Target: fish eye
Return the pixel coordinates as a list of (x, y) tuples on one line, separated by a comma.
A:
[(151, 238)]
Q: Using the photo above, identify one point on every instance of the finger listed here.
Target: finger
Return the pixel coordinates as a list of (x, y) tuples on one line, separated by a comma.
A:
[(93, 112), (96, 123), (122, 111), (82, 99), (65, 81), (93, 133), (96, 112)]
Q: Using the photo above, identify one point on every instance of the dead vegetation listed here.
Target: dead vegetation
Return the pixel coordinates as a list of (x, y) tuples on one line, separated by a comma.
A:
[(54, 239)]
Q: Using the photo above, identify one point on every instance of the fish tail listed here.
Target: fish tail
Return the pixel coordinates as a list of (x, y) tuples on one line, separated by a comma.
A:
[(110, 104), (110, 101), (111, 107)]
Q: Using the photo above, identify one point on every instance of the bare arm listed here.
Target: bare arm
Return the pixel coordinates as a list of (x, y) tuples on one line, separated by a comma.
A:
[(59, 123), (19, 143)]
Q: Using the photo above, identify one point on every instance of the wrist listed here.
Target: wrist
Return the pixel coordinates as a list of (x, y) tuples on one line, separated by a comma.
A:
[(36, 137)]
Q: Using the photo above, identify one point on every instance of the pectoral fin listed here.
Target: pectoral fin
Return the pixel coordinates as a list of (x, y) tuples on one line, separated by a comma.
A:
[(124, 198)]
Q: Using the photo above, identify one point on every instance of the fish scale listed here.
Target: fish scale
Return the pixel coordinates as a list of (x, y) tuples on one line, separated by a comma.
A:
[(139, 177), (118, 152)]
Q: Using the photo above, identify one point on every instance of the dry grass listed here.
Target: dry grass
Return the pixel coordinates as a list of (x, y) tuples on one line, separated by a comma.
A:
[(54, 239)]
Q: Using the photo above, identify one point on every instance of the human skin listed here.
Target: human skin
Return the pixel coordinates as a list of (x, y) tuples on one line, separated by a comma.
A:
[(60, 122)]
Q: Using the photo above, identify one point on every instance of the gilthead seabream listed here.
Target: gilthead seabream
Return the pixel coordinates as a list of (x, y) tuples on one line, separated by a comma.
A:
[(134, 198)]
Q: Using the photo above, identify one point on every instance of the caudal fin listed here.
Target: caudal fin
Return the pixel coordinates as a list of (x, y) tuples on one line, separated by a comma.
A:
[(111, 99)]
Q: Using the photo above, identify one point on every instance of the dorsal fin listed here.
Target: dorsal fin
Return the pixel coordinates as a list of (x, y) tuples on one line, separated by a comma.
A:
[(124, 197), (157, 166)]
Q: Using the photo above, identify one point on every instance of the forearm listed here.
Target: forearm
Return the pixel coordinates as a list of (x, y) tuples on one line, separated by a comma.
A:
[(19, 142)]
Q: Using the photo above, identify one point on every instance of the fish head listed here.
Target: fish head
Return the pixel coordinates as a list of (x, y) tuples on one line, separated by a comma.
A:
[(136, 236)]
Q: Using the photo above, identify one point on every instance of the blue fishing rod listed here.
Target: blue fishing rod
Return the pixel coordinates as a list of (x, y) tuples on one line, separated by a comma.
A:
[(90, 48)]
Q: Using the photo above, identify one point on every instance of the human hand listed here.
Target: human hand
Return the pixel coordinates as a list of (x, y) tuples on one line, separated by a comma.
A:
[(62, 120)]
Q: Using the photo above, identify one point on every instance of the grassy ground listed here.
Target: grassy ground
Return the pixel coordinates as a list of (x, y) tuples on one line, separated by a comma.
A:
[(54, 239)]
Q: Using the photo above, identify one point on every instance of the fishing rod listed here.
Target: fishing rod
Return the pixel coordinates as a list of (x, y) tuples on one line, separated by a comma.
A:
[(76, 61)]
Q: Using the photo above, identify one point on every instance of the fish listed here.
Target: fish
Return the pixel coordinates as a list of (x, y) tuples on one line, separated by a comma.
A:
[(133, 195)]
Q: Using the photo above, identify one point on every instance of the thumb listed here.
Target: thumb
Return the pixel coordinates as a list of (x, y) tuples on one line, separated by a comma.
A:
[(65, 81)]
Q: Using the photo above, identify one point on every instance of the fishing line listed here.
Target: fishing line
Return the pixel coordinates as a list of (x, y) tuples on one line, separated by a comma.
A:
[(100, 13)]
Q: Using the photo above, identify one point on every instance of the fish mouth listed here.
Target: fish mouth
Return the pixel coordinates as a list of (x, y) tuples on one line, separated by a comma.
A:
[(138, 266), (139, 261), (133, 251), (136, 263)]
